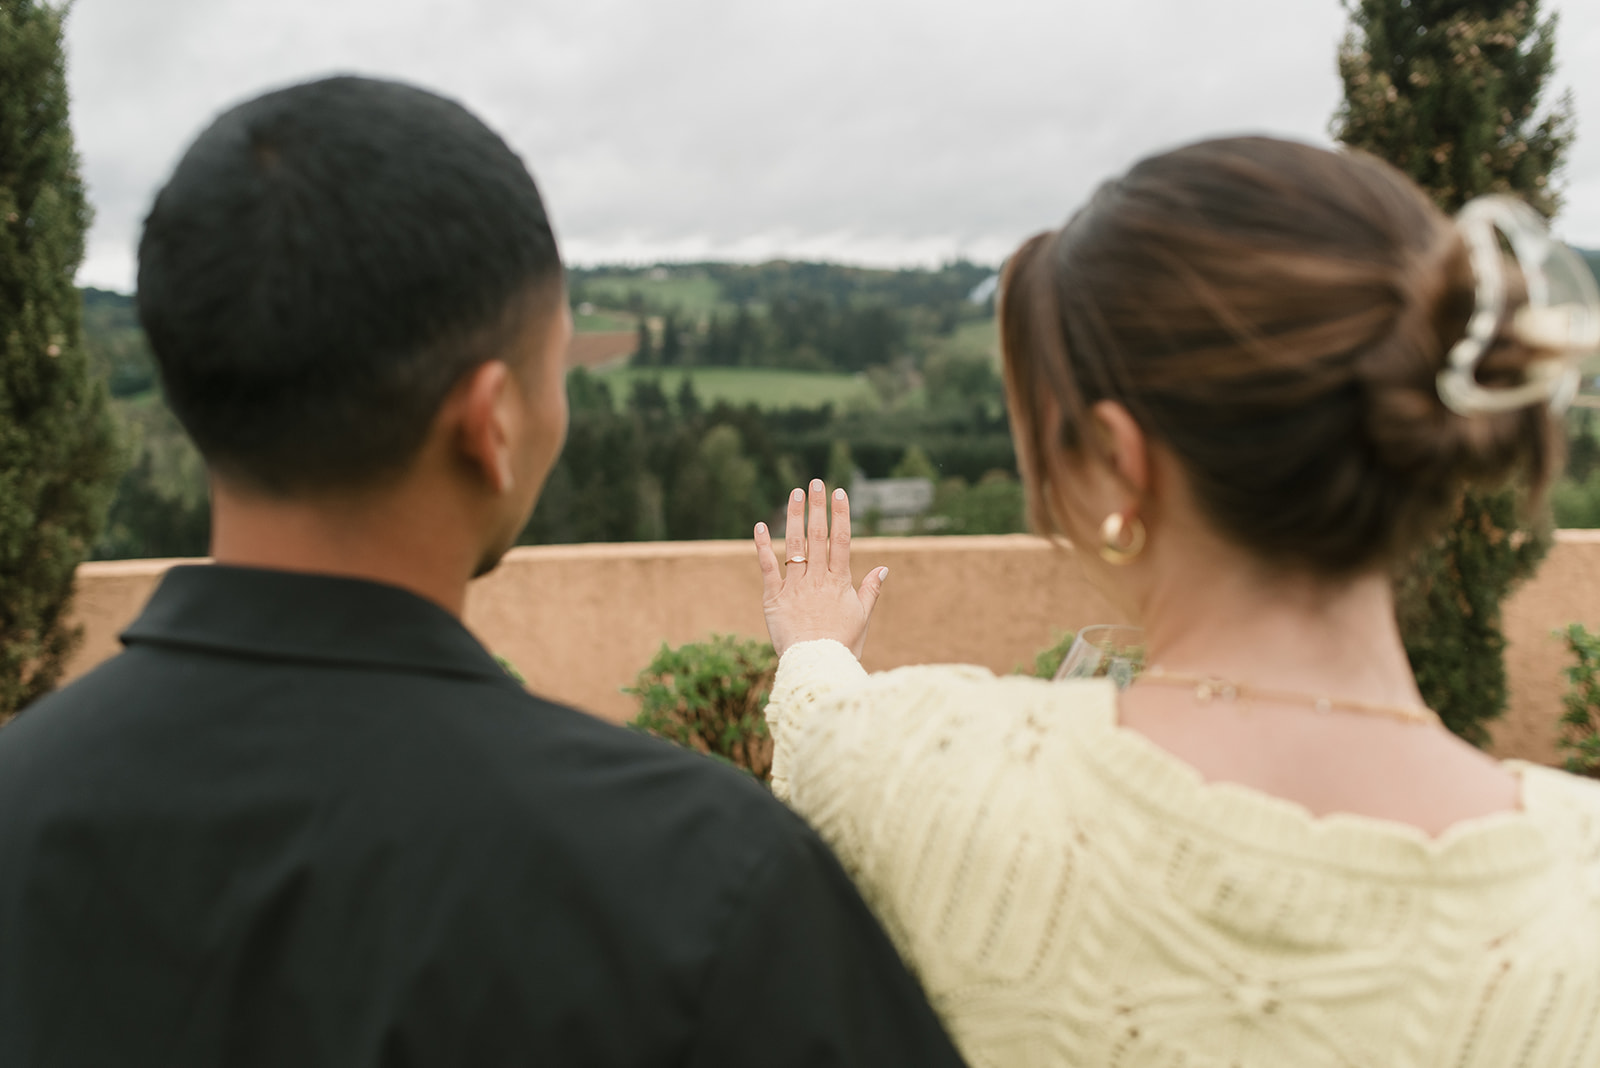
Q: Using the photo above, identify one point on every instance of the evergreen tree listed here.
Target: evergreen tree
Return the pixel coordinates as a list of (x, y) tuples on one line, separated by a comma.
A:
[(993, 506), (647, 398), (688, 400), (915, 464), (1449, 610), (1450, 92), (730, 504), (671, 341), (722, 342), (841, 471), (57, 452), (643, 351), (742, 340), (587, 393)]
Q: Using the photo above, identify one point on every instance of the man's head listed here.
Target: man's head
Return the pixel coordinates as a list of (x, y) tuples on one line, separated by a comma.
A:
[(328, 271)]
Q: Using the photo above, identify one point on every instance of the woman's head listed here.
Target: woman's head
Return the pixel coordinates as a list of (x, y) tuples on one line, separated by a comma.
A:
[(1275, 316)]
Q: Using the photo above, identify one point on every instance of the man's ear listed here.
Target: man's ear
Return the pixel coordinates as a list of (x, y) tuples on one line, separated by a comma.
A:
[(489, 411)]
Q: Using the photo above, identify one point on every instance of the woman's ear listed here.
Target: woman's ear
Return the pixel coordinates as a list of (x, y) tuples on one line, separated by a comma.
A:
[(1122, 446), (1111, 471)]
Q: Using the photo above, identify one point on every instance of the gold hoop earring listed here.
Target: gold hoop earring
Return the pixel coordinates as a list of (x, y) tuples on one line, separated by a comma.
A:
[(1111, 533)]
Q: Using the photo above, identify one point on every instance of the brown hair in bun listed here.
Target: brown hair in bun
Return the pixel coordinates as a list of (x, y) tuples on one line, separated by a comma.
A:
[(1277, 315)]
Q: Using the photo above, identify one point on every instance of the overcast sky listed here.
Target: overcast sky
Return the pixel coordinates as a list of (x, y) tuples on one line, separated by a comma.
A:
[(869, 131)]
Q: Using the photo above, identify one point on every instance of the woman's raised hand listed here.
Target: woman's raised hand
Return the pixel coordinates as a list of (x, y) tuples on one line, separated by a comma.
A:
[(809, 595)]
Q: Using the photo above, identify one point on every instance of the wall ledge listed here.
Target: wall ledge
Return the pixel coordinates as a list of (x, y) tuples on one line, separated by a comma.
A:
[(580, 621)]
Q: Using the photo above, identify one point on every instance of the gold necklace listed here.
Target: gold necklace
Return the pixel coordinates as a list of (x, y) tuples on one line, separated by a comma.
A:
[(1208, 688)]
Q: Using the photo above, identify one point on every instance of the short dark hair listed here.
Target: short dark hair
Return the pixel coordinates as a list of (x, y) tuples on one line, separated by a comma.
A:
[(323, 266), (1277, 315)]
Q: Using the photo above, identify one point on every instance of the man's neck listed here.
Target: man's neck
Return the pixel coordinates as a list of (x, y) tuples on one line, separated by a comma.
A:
[(386, 538)]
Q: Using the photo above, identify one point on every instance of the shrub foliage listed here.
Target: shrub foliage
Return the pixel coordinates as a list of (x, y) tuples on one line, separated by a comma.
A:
[(1581, 716), (1047, 661), (711, 697)]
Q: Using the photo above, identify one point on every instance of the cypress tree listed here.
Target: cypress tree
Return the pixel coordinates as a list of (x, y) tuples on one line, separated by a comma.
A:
[(57, 451), (670, 353), (1449, 91), (643, 356), (841, 473)]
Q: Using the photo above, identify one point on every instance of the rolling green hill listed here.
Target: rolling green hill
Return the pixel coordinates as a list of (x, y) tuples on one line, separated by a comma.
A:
[(116, 344), (689, 290)]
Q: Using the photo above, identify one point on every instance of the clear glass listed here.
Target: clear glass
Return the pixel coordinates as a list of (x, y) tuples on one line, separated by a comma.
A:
[(1105, 651)]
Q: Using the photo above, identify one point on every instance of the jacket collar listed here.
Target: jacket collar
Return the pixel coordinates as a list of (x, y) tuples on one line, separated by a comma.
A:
[(294, 616)]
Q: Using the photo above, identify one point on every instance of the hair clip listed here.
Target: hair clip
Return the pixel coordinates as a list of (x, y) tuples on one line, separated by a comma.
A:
[(1561, 317)]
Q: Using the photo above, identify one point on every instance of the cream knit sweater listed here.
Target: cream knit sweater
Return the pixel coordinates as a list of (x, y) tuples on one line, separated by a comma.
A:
[(1070, 894)]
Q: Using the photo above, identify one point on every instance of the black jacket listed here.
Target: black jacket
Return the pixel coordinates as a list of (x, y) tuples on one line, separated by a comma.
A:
[(308, 821)]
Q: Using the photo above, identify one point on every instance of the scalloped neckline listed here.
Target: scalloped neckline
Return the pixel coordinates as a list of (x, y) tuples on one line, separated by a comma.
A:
[(1164, 781)]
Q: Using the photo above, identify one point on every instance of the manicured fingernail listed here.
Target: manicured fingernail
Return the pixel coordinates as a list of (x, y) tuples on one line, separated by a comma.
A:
[(816, 485), (838, 494), (797, 496), (883, 573), (761, 528)]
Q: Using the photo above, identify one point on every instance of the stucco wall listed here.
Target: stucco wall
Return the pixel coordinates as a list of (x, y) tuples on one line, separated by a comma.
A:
[(1566, 590), (580, 621)]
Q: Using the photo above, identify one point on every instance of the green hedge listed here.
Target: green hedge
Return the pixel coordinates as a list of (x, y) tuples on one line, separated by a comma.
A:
[(1581, 719), (711, 697)]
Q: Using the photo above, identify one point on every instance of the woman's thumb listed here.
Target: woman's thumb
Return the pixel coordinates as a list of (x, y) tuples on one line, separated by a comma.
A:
[(871, 587)]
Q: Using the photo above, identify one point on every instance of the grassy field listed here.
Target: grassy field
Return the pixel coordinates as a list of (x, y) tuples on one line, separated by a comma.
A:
[(751, 385), (972, 339), (602, 321), (694, 293)]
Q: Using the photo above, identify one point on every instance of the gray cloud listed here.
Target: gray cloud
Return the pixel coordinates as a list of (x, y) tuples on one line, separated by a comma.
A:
[(883, 131)]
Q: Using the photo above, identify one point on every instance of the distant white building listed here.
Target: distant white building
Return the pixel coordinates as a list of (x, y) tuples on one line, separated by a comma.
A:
[(896, 503)]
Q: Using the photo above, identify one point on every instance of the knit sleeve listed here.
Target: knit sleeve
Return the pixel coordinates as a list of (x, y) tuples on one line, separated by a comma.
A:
[(875, 763), (808, 674)]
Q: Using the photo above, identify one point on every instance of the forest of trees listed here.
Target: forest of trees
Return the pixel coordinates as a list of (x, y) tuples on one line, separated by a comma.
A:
[(646, 462), (665, 467), (797, 316)]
